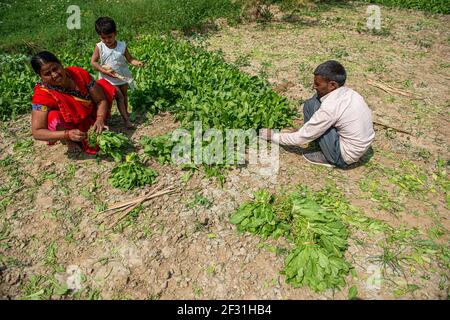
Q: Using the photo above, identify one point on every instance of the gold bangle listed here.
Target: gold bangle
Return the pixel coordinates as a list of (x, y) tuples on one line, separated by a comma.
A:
[(66, 134)]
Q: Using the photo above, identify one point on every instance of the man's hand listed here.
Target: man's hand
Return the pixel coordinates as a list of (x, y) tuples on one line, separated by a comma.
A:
[(266, 134)]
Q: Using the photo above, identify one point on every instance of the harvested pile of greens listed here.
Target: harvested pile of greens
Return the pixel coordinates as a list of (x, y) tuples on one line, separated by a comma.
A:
[(259, 217), (319, 236), (321, 239), (110, 143), (132, 173)]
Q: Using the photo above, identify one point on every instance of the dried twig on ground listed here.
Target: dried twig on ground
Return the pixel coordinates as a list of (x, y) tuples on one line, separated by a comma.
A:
[(123, 215), (130, 205), (393, 128), (127, 203), (392, 90)]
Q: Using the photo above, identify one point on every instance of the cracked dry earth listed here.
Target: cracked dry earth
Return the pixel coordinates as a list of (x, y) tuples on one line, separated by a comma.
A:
[(178, 248)]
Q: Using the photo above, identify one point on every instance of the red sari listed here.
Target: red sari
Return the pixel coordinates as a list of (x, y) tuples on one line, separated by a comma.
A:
[(71, 109)]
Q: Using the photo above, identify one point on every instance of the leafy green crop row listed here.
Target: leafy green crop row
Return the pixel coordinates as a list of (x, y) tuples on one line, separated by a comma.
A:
[(197, 85), (16, 86), (435, 6)]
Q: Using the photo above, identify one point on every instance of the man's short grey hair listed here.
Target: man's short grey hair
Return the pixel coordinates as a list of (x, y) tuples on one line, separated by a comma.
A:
[(332, 70)]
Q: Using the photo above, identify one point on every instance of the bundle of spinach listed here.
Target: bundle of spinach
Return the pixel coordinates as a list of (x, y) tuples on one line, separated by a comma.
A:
[(319, 235), (321, 239), (110, 143), (132, 174), (260, 217), (159, 147), (92, 137), (313, 266)]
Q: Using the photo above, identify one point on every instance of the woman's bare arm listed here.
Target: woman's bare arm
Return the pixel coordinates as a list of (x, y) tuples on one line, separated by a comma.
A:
[(99, 98), (39, 129)]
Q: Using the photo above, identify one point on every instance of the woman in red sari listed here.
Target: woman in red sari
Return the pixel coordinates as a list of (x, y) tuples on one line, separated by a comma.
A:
[(67, 102)]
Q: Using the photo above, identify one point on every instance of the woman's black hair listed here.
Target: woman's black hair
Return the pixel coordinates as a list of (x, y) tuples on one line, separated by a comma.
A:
[(332, 70), (105, 25), (43, 57)]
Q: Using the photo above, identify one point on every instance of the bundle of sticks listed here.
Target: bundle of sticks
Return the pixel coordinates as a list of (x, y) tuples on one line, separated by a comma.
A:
[(118, 75), (130, 205)]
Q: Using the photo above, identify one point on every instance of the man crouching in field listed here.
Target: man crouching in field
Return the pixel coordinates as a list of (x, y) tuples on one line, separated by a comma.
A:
[(336, 117)]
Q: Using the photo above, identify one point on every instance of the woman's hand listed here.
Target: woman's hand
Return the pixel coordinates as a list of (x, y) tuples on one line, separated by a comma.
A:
[(99, 125), (76, 135)]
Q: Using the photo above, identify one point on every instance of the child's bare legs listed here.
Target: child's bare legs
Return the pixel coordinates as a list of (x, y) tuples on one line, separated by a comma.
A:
[(122, 104)]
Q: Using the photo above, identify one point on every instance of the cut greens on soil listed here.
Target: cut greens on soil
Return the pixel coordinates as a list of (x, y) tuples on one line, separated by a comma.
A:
[(110, 143), (319, 236), (132, 174), (159, 147)]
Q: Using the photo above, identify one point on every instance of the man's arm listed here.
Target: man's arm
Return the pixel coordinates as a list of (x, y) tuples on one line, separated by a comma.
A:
[(319, 123)]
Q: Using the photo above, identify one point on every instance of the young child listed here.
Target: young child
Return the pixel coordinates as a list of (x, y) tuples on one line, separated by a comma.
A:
[(113, 66)]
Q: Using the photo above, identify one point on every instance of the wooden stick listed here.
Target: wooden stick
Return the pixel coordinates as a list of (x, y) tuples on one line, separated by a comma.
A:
[(131, 208), (129, 202), (393, 128), (137, 201), (390, 89), (123, 215), (125, 205), (113, 211)]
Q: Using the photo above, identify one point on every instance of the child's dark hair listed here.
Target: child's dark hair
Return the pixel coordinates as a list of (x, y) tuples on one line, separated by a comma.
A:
[(43, 57), (105, 25), (332, 70)]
